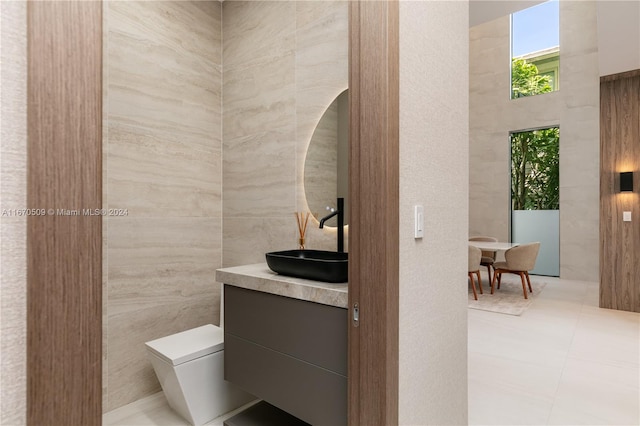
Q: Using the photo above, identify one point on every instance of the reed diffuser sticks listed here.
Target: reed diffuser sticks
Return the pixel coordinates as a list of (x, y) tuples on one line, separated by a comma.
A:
[(303, 219)]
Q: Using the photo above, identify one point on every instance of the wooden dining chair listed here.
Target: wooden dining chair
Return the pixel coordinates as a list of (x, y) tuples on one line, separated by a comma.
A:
[(488, 257), (519, 260), (475, 255)]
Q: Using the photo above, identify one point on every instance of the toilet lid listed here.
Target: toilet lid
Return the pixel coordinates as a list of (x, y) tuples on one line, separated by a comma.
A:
[(188, 345)]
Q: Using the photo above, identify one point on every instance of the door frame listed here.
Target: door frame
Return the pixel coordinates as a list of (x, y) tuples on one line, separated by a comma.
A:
[(64, 296), (374, 212), (64, 245)]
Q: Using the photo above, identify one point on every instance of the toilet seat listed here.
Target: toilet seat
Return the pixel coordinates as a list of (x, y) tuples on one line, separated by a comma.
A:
[(188, 345)]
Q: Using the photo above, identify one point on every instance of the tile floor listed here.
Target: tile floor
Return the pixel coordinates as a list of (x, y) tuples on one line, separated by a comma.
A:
[(155, 411), (563, 362)]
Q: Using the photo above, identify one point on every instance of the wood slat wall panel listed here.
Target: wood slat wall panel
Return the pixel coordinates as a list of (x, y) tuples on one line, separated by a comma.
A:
[(620, 152), (374, 182), (64, 273)]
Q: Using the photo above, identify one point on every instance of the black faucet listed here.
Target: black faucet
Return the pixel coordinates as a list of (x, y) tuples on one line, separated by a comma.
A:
[(340, 212)]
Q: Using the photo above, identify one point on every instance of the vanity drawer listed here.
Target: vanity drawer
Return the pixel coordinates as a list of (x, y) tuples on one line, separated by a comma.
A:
[(311, 393), (305, 330)]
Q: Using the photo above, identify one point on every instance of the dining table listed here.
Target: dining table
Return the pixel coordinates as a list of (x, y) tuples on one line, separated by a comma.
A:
[(493, 246), (498, 247)]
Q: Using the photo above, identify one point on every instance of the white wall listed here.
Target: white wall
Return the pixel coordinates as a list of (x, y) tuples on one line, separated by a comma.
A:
[(579, 142), (618, 36), (13, 195), (575, 107), (433, 172), (481, 11)]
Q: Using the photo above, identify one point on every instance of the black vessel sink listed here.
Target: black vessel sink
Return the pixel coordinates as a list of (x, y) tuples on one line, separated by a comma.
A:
[(319, 265)]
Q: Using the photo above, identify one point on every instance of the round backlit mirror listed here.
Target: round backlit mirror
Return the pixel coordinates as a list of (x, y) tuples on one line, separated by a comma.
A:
[(326, 172)]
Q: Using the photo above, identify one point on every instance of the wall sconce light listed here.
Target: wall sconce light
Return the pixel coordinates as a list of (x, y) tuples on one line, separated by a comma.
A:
[(626, 182)]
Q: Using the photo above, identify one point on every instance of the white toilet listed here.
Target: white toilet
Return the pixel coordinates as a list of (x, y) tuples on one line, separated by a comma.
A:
[(190, 367)]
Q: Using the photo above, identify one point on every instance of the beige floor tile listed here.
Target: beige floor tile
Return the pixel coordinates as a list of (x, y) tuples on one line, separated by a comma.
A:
[(518, 346), (605, 346), (592, 299), (597, 394), (596, 350), (155, 411), (608, 321), (565, 290), (555, 308), (152, 410), (540, 336), (504, 391), (591, 307)]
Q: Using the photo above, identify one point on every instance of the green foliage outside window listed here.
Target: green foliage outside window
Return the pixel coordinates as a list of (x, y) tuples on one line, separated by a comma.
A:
[(526, 81), (535, 165), (535, 170)]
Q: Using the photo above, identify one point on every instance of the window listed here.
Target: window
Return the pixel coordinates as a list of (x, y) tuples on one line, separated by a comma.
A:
[(535, 169), (535, 195), (535, 50)]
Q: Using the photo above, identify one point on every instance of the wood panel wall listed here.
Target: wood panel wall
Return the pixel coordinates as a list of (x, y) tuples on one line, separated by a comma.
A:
[(619, 152), (64, 273), (374, 204)]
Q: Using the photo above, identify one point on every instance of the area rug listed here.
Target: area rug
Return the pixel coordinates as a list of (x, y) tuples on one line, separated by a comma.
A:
[(508, 300)]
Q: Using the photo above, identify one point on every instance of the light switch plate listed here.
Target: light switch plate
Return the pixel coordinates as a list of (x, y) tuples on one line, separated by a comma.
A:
[(626, 216), (418, 222)]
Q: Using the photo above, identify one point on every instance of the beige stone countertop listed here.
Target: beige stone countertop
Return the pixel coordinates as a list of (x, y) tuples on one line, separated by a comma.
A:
[(259, 277)]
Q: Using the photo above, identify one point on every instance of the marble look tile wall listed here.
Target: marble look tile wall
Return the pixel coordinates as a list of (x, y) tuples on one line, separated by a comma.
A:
[(575, 108), (284, 63), (580, 148), (163, 153), (13, 229)]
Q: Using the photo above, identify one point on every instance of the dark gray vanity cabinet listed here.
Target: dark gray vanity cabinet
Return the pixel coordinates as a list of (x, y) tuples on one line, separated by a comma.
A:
[(289, 352)]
